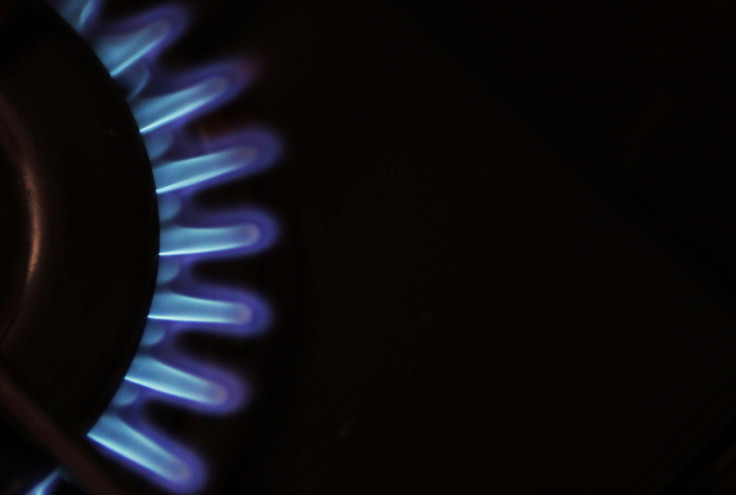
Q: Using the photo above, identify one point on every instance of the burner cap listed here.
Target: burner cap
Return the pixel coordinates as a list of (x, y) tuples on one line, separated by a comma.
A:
[(79, 223)]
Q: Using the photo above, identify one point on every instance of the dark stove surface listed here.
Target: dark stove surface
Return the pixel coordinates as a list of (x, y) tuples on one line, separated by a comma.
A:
[(519, 234)]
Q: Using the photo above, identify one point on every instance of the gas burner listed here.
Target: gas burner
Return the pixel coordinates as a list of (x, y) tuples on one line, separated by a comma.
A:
[(101, 167)]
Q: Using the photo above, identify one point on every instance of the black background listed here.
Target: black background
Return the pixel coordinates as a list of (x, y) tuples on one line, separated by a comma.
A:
[(516, 223)]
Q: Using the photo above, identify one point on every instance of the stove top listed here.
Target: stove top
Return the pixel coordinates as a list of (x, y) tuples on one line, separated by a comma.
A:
[(329, 247)]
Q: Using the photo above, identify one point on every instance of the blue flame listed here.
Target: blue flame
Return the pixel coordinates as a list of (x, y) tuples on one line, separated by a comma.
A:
[(185, 240), (78, 13), (46, 486), (170, 306), (189, 172), (150, 453), (179, 384), (140, 39), (164, 104), (226, 158), (195, 94)]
